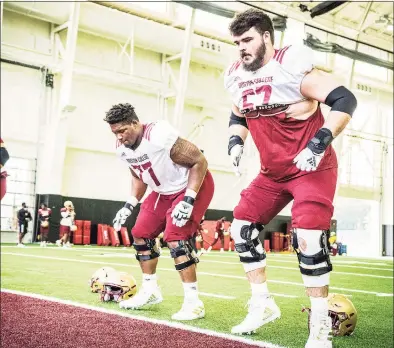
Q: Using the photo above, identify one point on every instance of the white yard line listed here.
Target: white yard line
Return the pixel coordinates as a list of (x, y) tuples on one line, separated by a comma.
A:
[(199, 273), (217, 296), (347, 264), (233, 255), (131, 256), (145, 319)]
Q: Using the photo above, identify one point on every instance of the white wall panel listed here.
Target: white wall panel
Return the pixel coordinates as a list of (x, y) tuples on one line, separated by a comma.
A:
[(227, 190), (26, 32), (95, 175), (21, 98), (107, 54), (87, 129)]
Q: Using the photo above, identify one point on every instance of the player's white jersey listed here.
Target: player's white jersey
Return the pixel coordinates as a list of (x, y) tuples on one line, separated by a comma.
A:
[(151, 160), (273, 87)]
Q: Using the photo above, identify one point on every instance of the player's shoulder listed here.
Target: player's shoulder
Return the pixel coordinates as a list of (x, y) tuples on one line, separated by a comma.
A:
[(149, 127), (233, 68), (232, 72), (160, 133), (292, 52), (295, 58)]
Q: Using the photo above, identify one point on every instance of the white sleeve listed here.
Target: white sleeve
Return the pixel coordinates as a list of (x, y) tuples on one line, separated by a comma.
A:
[(230, 78), (298, 60), (163, 135)]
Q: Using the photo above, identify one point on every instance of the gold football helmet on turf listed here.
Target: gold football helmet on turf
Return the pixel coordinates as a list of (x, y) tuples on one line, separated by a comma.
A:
[(98, 278), (118, 287), (343, 315)]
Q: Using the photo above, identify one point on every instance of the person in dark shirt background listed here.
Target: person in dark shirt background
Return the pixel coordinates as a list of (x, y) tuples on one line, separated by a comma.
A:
[(24, 217)]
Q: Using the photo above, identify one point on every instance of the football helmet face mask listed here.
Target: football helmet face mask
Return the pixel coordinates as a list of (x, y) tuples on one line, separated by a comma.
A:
[(343, 315), (118, 287), (98, 278)]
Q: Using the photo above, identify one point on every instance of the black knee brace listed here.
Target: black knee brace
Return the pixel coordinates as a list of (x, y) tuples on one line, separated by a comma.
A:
[(184, 248), (312, 261), (150, 244), (250, 247)]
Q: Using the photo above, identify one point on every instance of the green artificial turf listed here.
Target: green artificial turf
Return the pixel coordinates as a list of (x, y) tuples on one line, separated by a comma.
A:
[(64, 273)]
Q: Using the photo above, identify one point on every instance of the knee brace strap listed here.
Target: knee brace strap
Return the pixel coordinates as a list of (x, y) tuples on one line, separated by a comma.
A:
[(311, 265), (150, 245), (184, 249), (251, 246)]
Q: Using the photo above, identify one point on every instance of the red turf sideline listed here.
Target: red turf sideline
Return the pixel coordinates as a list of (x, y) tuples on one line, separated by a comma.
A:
[(31, 322)]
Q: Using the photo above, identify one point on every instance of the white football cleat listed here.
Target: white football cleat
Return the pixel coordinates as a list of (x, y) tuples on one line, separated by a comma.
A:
[(190, 311), (21, 245), (221, 250), (144, 297), (59, 242), (260, 312), (320, 332)]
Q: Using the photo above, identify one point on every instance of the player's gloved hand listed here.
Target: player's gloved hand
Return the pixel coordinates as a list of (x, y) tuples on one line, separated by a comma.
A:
[(307, 160), (183, 210), (124, 213), (235, 150), (310, 158)]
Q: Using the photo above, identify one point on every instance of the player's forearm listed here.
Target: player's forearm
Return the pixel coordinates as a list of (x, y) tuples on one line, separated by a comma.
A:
[(197, 174), (138, 188), (239, 130), (336, 122)]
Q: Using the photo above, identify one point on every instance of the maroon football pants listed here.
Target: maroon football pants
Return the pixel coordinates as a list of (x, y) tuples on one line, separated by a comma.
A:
[(313, 195)]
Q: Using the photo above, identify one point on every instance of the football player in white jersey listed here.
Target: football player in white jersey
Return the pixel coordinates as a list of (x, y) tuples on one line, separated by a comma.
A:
[(182, 188), (276, 96)]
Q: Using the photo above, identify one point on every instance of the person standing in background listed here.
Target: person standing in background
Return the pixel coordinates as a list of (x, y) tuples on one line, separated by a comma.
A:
[(44, 215), (67, 224), (24, 217), (4, 157), (219, 233), (231, 240)]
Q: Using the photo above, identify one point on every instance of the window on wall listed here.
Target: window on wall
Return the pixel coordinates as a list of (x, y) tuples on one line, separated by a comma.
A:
[(320, 58), (369, 70), (216, 23), (365, 116), (20, 189), (360, 162), (342, 65)]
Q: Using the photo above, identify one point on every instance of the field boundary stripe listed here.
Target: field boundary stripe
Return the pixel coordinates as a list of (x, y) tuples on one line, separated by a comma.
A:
[(145, 319)]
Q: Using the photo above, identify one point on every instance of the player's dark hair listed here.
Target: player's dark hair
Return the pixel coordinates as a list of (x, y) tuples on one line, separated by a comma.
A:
[(252, 18), (121, 113)]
